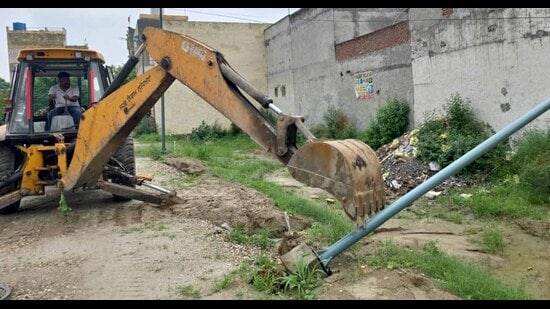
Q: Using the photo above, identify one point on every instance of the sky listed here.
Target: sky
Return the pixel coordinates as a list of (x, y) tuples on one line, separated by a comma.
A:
[(104, 29)]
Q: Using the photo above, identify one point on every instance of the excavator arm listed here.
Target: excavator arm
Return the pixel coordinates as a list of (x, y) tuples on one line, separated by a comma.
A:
[(348, 169)]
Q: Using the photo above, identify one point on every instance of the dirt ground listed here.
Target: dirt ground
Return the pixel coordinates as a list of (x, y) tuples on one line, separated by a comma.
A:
[(132, 250)]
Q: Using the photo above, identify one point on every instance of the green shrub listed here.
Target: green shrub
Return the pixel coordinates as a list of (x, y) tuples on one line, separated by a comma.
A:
[(337, 125), (392, 120), (234, 130), (320, 130), (532, 161), (445, 139), (206, 132)]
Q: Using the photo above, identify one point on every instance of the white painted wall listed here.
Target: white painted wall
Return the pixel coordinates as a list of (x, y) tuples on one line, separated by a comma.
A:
[(498, 58)]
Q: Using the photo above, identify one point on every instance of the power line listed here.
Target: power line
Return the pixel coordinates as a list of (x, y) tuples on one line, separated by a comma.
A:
[(221, 15)]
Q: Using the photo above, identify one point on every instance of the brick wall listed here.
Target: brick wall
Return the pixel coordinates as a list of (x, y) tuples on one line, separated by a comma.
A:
[(446, 12), (387, 37)]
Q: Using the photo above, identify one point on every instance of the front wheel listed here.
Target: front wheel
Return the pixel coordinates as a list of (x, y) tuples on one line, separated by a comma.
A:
[(7, 167), (125, 155)]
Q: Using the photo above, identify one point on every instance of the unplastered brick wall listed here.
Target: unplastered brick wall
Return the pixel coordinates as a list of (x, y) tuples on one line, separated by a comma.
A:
[(386, 37)]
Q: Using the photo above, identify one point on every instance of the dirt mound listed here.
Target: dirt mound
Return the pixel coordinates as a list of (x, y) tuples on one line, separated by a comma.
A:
[(235, 205), (535, 227), (186, 165), (381, 284)]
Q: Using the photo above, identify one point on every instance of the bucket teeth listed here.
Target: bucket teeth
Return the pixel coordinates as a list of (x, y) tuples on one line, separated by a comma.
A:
[(348, 169)]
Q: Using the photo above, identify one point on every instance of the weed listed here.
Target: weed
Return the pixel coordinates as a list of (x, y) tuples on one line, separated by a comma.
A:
[(303, 281), (264, 276), (188, 291), (532, 163), (506, 199), (203, 152), (206, 132), (225, 283), (152, 151), (491, 239), (148, 138), (238, 235), (261, 239), (458, 277)]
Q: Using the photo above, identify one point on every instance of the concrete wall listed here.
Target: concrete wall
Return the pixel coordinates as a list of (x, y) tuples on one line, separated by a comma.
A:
[(352, 23), (278, 45), (18, 40), (242, 45), (313, 62), (392, 78), (302, 55), (499, 58)]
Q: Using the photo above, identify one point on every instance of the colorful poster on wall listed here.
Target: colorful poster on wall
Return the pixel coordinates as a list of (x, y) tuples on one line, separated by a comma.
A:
[(364, 88)]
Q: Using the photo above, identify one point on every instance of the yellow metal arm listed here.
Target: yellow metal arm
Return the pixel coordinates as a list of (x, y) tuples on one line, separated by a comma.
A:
[(106, 124), (197, 66)]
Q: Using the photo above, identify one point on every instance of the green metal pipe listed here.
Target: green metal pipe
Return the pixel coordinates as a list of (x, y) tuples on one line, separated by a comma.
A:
[(406, 200)]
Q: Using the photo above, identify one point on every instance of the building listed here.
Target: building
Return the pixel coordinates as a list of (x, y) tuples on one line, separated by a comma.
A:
[(499, 58), (20, 37), (348, 58), (242, 45), (354, 59)]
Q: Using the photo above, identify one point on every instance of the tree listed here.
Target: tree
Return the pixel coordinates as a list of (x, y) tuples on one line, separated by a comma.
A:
[(4, 93), (116, 70)]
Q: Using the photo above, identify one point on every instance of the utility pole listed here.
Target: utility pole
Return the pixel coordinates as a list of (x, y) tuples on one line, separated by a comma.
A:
[(162, 119)]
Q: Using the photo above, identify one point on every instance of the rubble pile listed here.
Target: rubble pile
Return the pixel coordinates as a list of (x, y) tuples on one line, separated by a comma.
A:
[(402, 171)]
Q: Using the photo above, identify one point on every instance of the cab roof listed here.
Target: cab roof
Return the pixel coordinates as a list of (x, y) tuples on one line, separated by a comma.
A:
[(59, 53)]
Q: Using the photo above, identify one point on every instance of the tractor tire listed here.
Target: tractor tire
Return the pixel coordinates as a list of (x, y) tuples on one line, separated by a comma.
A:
[(7, 167), (125, 155)]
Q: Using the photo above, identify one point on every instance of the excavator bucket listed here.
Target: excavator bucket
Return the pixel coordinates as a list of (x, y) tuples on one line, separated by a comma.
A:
[(348, 169)]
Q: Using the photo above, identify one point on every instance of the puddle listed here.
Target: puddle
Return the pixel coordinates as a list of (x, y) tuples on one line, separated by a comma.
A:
[(527, 263)]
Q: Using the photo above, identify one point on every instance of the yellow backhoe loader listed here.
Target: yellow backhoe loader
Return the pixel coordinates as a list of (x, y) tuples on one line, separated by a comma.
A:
[(98, 152)]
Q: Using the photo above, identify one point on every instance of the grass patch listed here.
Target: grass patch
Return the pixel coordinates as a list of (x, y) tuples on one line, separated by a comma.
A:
[(152, 151), (458, 277), (260, 238), (188, 291), (507, 199), (491, 239), (303, 282), (265, 277), (226, 282), (501, 200), (238, 235), (148, 138)]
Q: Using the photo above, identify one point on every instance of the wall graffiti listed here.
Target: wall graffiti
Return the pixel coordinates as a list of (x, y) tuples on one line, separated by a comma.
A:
[(364, 88)]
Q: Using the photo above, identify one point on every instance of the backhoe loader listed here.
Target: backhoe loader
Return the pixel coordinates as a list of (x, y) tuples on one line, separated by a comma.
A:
[(99, 154)]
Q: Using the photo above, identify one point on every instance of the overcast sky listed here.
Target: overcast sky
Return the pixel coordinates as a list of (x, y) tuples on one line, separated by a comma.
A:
[(105, 29)]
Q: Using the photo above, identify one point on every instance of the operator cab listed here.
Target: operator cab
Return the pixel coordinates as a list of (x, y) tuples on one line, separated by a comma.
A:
[(35, 73)]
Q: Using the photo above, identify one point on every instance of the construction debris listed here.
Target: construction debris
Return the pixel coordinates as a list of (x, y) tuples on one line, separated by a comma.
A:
[(402, 171)]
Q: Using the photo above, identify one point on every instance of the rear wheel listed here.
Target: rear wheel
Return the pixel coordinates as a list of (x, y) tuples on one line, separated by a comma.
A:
[(7, 167), (125, 155)]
